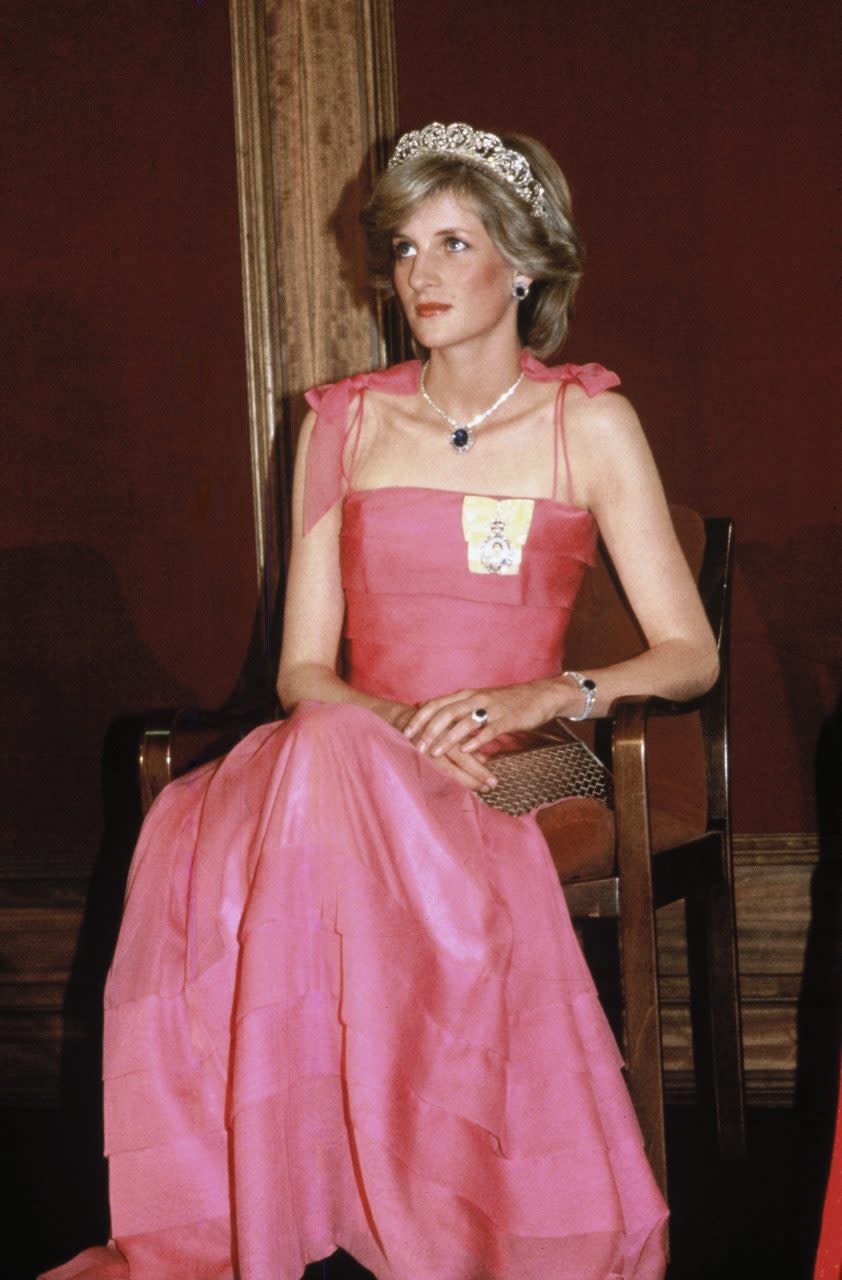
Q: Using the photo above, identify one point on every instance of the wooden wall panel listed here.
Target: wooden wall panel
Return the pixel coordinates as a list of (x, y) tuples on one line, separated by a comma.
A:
[(782, 997), (40, 924)]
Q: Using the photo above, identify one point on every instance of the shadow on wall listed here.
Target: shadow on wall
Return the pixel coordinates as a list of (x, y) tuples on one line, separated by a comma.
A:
[(790, 606), (796, 587), (73, 661)]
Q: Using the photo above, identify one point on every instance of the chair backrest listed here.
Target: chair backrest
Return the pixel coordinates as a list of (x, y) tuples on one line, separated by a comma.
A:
[(687, 753), (715, 582)]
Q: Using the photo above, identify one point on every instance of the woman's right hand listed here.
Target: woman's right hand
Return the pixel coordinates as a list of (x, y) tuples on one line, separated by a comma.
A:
[(470, 768)]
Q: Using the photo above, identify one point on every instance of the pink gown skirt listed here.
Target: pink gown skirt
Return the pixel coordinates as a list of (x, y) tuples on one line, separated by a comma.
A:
[(348, 1008)]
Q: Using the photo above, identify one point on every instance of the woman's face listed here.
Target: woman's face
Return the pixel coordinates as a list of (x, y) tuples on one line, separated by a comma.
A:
[(452, 281)]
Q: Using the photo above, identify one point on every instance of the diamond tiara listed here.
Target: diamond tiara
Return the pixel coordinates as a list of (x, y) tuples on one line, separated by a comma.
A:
[(477, 147)]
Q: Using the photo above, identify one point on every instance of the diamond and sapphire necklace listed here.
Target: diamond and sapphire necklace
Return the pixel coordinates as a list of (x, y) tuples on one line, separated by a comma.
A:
[(462, 433)]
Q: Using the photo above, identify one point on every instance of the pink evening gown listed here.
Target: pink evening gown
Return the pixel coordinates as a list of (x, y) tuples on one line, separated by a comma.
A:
[(347, 1006)]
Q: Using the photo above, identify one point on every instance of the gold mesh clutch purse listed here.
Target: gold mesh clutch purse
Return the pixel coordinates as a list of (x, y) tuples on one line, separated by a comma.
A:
[(545, 766)]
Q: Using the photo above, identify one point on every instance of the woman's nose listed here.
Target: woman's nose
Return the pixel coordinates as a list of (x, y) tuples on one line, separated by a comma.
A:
[(423, 271)]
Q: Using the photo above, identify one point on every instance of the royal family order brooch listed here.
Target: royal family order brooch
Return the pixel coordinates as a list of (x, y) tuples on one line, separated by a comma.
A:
[(495, 530)]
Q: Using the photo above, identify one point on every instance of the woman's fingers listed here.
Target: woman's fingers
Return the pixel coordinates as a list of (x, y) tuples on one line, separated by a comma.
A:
[(448, 722), (470, 770), (485, 714), (471, 718), (482, 737), (459, 730), (433, 716), (442, 724)]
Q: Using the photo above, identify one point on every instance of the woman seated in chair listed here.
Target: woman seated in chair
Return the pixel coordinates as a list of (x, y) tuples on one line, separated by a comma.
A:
[(347, 1007)]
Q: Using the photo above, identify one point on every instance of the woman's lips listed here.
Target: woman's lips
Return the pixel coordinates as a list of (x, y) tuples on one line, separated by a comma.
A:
[(431, 308)]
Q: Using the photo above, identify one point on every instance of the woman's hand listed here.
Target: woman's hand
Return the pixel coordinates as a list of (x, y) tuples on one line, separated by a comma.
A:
[(446, 726), (469, 769)]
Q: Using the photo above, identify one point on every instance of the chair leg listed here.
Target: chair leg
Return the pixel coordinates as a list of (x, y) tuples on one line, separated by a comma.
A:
[(728, 1075), (638, 951), (715, 1007), (642, 1029)]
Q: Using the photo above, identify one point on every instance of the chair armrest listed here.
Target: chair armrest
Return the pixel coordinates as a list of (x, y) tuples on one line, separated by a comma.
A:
[(628, 766), (655, 705), (627, 724), (646, 824), (712, 709), (172, 741)]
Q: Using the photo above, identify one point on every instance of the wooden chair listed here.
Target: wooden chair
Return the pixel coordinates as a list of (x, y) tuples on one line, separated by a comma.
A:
[(655, 855), (621, 866)]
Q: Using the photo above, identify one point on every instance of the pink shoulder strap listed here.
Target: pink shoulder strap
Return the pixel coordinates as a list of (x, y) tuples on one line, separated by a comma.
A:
[(325, 479), (592, 378)]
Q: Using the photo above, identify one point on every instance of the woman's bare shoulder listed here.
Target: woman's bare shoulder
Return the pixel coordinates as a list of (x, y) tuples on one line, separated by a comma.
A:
[(602, 409), (607, 421), (609, 452)]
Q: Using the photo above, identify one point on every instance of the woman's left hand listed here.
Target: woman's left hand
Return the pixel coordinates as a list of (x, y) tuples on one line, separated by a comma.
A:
[(442, 724)]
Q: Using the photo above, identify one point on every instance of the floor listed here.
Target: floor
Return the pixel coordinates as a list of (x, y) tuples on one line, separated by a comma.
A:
[(754, 1220)]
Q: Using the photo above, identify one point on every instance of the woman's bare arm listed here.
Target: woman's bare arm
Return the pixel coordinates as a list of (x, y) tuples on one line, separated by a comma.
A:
[(622, 487), (313, 618), (314, 607)]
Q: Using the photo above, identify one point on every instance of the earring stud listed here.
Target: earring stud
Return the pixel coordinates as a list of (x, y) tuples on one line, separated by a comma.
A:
[(520, 290)]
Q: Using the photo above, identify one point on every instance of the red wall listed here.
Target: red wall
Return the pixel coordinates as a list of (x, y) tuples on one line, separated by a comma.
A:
[(126, 546), (701, 142)]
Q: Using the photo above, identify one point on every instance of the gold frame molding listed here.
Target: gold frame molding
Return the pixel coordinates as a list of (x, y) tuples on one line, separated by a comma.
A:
[(301, 182)]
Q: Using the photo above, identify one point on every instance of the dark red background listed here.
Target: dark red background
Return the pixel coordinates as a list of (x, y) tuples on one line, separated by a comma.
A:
[(127, 569), (699, 140), (701, 143)]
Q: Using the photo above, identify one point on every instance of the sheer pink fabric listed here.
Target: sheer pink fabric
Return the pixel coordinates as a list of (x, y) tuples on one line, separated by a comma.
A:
[(347, 1007), (326, 479)]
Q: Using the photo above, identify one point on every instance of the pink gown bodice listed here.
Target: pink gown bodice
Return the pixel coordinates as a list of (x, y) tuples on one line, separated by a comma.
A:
[(420, 623), (422, 619)]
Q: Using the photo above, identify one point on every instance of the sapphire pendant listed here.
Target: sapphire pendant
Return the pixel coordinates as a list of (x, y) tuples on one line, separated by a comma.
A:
[(461, 439)]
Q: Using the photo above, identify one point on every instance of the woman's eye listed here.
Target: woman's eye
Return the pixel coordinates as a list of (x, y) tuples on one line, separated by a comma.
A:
[(402, 249), (454, 245)]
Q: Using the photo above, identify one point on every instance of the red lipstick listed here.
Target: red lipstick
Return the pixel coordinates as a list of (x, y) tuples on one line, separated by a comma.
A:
[(424, 309)]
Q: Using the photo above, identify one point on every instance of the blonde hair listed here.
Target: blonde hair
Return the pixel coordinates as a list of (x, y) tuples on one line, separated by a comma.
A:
[(546, 248)]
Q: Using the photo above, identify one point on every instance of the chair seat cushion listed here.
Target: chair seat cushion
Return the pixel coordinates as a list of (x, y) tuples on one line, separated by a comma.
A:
[(580, 836)]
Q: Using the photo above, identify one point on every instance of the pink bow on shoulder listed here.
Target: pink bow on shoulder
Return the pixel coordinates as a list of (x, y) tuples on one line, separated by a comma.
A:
[(592, 378), (332, 403)]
